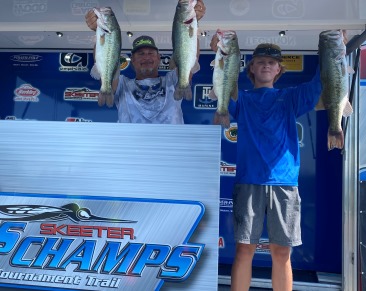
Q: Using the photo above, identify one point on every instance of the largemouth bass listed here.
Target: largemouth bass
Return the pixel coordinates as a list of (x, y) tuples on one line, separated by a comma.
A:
[(184, 40), (334, 74), (225, 76), (107, 53)]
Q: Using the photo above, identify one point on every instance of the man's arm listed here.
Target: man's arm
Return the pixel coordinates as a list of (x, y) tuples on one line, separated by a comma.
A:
[(200, 10)]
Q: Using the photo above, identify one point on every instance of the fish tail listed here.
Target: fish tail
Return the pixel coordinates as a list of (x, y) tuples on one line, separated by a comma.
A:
[(222, 119), (101, 99), (335, 140), (105, 98), (185, 93)]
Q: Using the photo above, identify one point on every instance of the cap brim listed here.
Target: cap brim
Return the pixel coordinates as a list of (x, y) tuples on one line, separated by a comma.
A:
[(280, 59), (142, 46)]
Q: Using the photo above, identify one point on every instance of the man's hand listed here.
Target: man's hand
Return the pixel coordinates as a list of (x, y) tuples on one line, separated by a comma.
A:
[(200, 9), (91, 20), (214, 41)]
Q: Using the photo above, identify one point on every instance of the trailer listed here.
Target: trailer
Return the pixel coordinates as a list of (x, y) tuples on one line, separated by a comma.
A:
[(46, 58)]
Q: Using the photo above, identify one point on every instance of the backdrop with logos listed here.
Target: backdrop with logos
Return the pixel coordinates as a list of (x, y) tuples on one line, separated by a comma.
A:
[(57, 86)]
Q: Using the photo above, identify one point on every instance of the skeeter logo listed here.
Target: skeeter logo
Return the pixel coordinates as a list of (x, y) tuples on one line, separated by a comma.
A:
[(70, 244)]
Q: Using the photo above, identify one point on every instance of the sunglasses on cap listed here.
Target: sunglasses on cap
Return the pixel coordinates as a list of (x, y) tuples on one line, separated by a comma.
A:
[(267, 51)]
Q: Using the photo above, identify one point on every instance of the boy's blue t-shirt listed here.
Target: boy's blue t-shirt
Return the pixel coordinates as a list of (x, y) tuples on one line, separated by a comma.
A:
[(267, 139)]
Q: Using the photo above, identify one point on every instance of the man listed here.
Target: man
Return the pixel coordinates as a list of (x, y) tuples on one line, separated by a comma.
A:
[(149, 97), (268, 161)]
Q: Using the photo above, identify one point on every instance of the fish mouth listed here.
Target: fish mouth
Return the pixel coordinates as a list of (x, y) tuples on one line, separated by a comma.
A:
[(189, 21), (224, 53), (331, 33)]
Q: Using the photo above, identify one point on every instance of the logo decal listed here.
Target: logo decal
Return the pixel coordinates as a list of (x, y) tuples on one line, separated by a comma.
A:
[(26, 58), (81, 7), (72, 62), (227, 169), (23, 7), (231, 132), (202, 99), (80, 94), (26, 93), (77, 119), (43, 213)]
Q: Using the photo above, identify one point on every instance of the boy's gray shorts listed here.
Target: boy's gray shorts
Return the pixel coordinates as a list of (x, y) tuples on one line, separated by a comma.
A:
[(282, 204)]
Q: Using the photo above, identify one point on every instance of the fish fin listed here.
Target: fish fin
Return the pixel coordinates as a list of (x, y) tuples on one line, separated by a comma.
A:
[(347, 111), (110, 100), (335, 140), (172, 64), (345, 36), (94, 72), (221, 64), (222, 119), (102, 39), (196, 67), (212, 94), (320, 105), (181, 93), (116, 73), (105, 97), (212, 64), (101, 99), (191, 31), (350, 70)]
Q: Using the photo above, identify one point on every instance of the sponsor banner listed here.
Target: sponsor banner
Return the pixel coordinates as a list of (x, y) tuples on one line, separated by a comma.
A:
[(108, 206), (97, 243)]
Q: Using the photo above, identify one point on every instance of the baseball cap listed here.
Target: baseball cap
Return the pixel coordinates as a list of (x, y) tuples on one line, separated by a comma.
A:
[(143, 41), (268, 50)]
